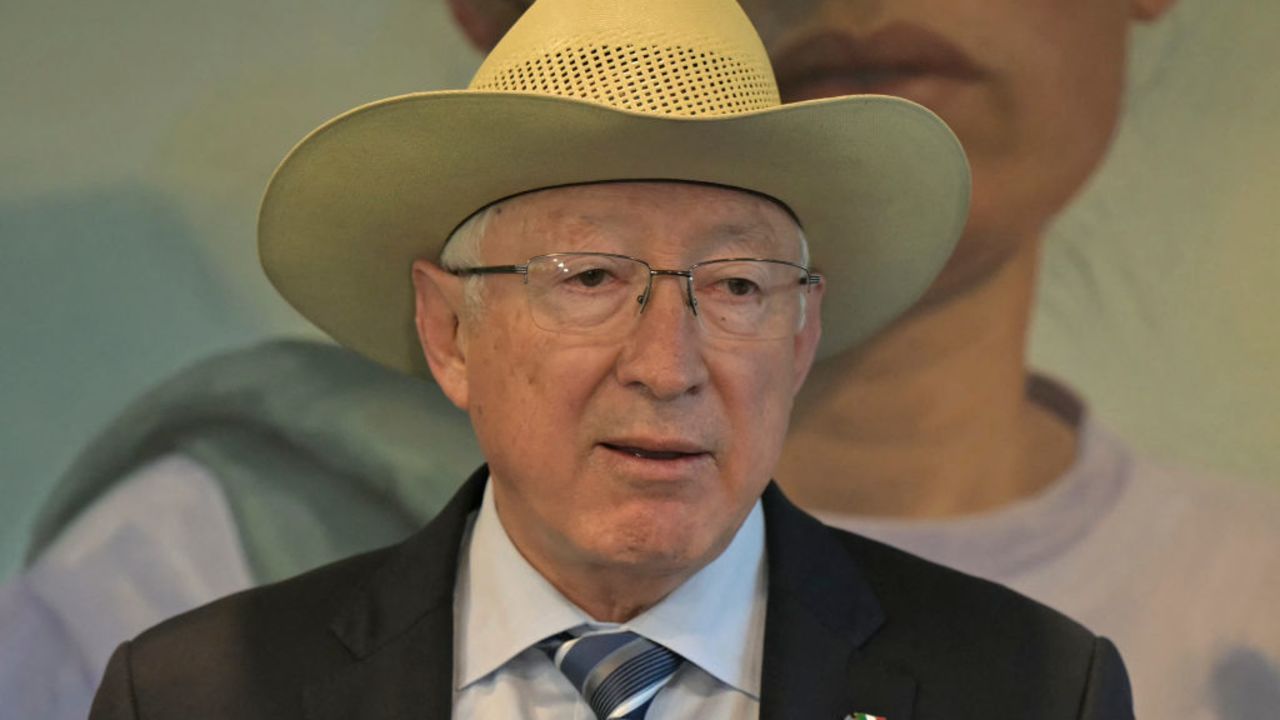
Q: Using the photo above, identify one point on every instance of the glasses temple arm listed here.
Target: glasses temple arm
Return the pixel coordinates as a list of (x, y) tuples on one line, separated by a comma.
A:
[(491, 270)]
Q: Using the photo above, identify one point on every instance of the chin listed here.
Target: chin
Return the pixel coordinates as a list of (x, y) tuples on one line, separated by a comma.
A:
[(653, 561), (657, 547), (975, 262)]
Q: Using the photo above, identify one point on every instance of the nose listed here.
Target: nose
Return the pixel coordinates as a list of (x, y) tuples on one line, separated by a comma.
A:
[(663, 354)]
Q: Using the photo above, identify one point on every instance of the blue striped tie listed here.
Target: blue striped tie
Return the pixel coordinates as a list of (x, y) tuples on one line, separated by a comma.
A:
[(617, 671)]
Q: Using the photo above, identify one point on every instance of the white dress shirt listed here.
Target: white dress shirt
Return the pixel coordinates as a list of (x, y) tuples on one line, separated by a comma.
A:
[(715, 620)]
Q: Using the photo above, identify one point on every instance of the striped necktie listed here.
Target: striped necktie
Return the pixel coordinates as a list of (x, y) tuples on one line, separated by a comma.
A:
[(617, 672)]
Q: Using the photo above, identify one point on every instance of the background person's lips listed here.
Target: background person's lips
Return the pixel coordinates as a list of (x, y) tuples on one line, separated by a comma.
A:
[(901, 59)]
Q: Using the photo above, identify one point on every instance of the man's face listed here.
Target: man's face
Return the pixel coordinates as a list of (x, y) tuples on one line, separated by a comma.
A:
[(1031, 87), (643, 453)]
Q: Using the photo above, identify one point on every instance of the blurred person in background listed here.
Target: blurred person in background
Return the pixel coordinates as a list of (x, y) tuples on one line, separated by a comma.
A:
[(962, 453)]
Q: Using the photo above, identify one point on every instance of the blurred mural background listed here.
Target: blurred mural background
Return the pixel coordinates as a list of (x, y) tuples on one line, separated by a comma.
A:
[(138, 136)]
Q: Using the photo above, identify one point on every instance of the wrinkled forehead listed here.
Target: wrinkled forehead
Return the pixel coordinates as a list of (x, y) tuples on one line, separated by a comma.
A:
[(673, 220)]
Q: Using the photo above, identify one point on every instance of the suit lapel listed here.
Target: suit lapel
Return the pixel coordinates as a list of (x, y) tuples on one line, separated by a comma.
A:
[(821, 613), (399, 628)]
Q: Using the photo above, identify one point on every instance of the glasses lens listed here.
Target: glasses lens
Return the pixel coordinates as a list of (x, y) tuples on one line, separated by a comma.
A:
[(758, 299), (584, 292)]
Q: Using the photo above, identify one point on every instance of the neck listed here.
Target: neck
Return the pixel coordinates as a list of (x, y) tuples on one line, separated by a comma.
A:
[(931, 419), (614, 602)]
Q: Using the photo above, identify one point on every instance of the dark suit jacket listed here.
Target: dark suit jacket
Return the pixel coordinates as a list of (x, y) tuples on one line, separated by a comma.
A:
[(852, 626)]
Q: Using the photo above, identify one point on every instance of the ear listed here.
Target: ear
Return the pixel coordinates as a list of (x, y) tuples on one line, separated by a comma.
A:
[(807, 339), (438, 299), (1150, 10)]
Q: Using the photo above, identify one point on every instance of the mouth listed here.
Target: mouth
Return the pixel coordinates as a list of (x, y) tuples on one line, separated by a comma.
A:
[(904, 60), (655, 450)]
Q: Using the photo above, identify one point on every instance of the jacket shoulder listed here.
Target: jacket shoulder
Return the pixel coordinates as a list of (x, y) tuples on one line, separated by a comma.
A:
[(973, 641), (247, 655), (259, 653), (910, 583)]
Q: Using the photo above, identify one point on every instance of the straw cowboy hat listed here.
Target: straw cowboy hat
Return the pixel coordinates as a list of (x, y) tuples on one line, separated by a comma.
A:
[(583, 91)]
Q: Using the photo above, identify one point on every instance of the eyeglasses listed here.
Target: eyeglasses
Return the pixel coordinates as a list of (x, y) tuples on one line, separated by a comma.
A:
[(604, 294)]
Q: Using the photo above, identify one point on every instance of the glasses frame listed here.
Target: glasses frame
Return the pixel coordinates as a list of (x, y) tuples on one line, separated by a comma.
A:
[(809, 280)]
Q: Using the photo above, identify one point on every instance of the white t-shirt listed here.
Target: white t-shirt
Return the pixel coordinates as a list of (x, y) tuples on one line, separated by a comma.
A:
[(161, 542), (1181, 571)]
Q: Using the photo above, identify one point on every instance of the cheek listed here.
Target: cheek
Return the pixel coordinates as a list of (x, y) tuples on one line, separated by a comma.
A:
[(531, 400), (1047, 55), (758, 400), (1039, 125), (504, 394), (1070, 73)]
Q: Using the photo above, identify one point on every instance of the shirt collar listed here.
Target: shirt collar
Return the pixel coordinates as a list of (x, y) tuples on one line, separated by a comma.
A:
[(715, 619), (505, 605)]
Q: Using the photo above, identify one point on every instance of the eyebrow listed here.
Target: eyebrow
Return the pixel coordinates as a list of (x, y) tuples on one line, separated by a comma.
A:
[(739, 230), (730, 230), (752, 238), (733, 238)]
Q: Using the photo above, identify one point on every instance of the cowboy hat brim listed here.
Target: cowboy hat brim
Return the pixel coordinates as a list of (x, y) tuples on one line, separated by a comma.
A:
[(879, 184)]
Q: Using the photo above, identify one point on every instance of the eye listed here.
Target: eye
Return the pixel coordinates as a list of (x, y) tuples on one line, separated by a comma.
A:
[(740, 286), (594, 277)]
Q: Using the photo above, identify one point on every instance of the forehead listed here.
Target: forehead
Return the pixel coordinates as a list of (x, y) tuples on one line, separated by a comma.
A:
[(668, 218)]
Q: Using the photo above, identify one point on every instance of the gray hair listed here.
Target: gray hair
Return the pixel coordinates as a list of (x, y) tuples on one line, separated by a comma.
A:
[(462, 250)]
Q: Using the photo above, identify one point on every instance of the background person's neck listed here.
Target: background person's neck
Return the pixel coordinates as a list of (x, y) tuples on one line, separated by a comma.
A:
[(932, 418)]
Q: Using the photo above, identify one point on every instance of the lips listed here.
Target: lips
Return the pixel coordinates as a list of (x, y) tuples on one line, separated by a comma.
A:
[(651, 449), (895, 61)]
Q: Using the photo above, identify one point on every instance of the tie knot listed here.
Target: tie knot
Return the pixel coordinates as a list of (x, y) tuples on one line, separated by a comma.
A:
[(617, 671)]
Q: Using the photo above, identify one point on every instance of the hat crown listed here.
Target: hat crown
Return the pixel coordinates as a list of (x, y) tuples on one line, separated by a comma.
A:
[(682, 58)]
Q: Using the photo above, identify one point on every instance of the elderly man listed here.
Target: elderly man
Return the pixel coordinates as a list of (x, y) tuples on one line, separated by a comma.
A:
[(625, 309)]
